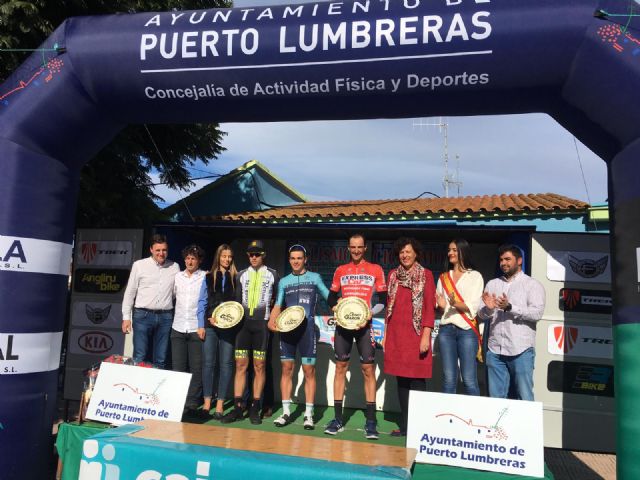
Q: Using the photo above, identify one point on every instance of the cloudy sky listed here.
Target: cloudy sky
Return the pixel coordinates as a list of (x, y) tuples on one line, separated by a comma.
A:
[(373, 159)]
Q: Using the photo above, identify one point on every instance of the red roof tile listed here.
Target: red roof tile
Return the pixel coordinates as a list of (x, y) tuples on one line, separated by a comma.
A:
[(494, 204)]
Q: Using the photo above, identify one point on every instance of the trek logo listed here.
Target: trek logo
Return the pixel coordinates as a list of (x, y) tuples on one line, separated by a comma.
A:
[(95, 342), (565, 337), (100, 462), (103, 253), (580, 341), (88, 251), (585, 300), (97, 315), (588, 268)]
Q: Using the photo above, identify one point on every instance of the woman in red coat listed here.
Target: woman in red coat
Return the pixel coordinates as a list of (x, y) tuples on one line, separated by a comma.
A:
[(409, 321)]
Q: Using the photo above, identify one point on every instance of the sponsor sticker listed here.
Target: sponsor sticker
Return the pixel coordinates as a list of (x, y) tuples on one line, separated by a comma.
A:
[(96, 342), (96, 314), (104, 253), (22, 353), (591, 267), (100, 280), (580, 378), (585, 301), (580, 341), (30, 255)]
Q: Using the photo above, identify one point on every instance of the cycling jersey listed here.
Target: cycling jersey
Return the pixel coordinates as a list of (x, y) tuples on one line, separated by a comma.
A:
[(255, 290), (360, 280), (301, 290)]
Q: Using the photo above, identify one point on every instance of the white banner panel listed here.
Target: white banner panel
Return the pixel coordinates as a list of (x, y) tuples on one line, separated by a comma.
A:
[(580, 341), (96, 342), (590, 267), (482, 433), (30, 255), (92, 314), (127, 394), (29, 352), (104, 253)]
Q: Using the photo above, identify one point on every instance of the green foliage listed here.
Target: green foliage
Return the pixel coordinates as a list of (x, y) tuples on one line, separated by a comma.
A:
[(115, 186)]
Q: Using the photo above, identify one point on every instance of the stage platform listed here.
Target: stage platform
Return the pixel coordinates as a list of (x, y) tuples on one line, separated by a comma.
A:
[(251, 450)]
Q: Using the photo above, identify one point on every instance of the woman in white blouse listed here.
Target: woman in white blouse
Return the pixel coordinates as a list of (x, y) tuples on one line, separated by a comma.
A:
[(458, 296), (187, 331)]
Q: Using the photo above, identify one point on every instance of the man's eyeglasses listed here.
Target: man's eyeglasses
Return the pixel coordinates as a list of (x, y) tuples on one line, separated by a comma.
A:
[(254, 254)]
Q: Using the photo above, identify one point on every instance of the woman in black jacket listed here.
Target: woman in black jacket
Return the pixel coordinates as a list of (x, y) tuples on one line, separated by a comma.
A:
[(218, 343)]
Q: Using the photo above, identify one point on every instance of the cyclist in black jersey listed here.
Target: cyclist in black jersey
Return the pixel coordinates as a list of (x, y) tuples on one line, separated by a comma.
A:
[(255, 290)]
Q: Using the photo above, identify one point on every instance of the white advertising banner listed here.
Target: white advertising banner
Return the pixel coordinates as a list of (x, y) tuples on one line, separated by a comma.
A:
[(29, 352), (590, 267), (127, 394), (104, 253), (91, 314), (96, 342), (580, 341), (31, 255), (492, 434)]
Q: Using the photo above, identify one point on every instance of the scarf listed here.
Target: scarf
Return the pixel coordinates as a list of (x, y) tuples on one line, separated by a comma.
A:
[(413, 279)]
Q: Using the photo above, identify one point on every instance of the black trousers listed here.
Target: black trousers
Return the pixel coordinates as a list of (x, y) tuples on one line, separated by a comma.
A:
[(405, 385), (186, 353)]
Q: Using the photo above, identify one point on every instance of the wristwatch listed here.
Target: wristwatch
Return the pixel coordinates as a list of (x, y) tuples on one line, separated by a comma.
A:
[(507, 308)]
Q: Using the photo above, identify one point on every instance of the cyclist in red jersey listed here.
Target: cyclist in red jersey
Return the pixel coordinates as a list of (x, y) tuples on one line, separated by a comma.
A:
[(357, 278)]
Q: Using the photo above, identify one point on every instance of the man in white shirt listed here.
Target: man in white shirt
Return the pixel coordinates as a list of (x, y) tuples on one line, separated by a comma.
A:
[(147, 306), (513, 304)]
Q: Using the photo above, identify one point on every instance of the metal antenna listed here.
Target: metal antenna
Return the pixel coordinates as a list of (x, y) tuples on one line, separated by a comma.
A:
[(448, 179)]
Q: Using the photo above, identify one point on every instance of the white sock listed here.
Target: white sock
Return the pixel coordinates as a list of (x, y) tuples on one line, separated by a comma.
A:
[(308, 411), (286, 407)]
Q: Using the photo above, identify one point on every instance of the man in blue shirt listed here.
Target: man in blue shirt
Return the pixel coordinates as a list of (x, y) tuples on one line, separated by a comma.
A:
[(299, 288)]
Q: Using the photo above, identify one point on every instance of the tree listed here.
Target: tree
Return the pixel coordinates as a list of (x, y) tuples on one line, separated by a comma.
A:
[(115, 186)]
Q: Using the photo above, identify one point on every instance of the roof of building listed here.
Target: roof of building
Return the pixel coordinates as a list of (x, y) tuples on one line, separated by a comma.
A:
[(415, 209), (249, 187)]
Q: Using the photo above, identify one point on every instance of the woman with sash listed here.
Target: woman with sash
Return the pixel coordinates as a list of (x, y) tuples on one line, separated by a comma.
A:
[(219, 286), (408, 325), (459, 295)]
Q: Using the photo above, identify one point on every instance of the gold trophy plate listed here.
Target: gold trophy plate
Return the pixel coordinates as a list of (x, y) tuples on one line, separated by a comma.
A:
[(352, 313), (290, 318), (228, 314)]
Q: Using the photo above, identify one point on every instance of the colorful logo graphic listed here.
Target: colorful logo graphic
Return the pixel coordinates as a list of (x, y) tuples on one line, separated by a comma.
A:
[(619, 39), (147, 398), (571, 298), (565, 337), (45, 73), (493, 431), (588, 268)]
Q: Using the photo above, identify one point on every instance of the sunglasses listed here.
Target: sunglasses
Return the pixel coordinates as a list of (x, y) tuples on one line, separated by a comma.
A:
[(254, 254)]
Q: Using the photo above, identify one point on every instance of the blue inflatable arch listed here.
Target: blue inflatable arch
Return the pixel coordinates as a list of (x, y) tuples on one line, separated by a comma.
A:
[(577, 60)]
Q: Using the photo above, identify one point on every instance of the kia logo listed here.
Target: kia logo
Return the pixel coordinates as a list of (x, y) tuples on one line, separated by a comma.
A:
[(95, 342), (565, 337)]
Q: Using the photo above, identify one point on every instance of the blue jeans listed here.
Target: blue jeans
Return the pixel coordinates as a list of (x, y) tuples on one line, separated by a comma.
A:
[(217, 353), (151, 330), (504, 370), (458, 344)]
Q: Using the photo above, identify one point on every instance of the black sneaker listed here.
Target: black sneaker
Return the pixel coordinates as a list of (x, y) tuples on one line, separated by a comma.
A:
[(254, 415), (232, 416)]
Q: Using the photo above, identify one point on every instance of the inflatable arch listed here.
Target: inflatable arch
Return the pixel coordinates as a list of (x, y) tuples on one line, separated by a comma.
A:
[(577, 60)]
